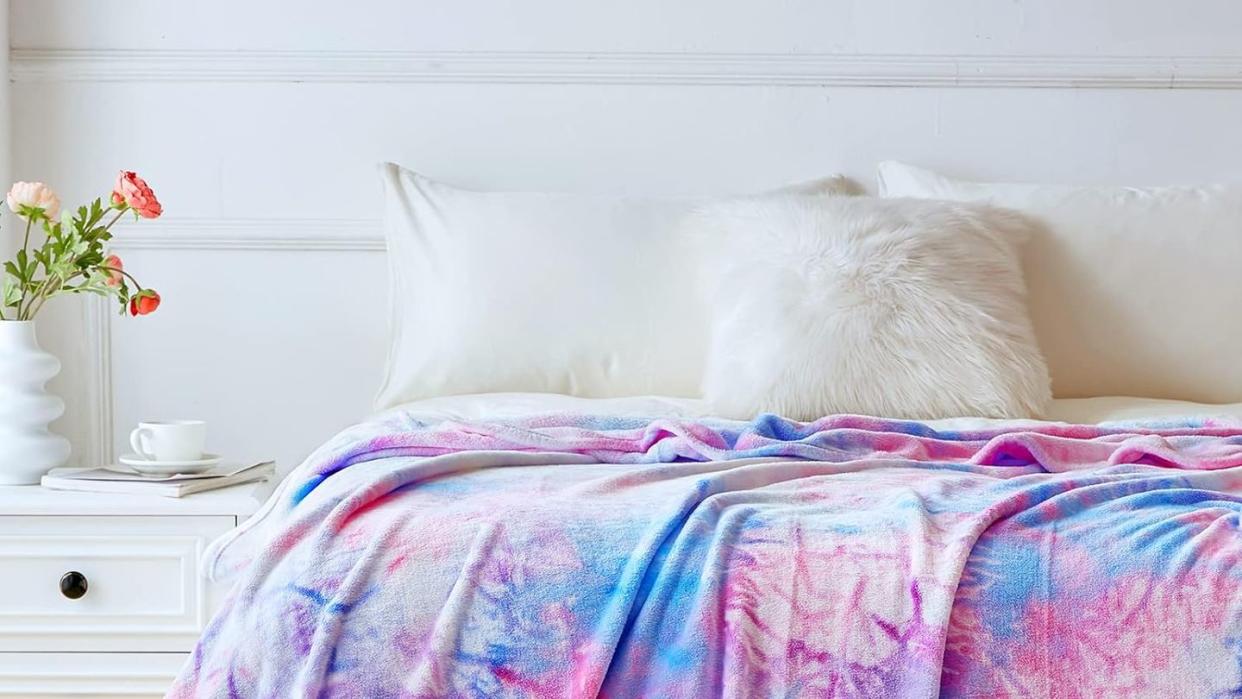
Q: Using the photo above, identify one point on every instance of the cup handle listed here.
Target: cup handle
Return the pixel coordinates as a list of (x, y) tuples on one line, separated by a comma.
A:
[(135, 441)]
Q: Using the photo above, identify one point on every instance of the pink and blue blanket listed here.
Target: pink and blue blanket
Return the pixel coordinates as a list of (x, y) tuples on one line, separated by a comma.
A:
[(571, 556)]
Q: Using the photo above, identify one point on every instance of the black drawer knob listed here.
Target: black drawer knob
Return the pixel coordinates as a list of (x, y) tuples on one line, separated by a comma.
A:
[(73, 584)]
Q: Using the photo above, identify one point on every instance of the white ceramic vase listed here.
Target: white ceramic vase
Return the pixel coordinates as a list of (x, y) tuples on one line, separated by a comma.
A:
[(27, 448)]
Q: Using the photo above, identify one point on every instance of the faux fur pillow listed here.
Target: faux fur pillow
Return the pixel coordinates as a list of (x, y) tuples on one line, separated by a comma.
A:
[(891, 307)]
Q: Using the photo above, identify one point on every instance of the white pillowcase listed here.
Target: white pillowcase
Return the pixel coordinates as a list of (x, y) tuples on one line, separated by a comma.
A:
[(1133, 291), (507, 291), (897, 308)]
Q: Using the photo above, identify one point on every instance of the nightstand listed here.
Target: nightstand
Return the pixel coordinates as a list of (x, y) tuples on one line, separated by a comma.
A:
[(101, 595)]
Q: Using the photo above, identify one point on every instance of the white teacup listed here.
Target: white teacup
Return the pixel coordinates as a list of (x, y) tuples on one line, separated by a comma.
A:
[(170, 440)]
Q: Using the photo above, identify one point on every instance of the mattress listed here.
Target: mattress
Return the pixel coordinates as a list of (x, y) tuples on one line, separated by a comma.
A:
[(521, 545), (1069, 410)]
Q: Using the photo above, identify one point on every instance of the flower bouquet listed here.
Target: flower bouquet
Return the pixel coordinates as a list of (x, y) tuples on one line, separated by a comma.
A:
[(73, 258)]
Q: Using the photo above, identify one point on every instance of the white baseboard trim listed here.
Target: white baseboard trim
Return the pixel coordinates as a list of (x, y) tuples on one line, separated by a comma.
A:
[(606, 68)]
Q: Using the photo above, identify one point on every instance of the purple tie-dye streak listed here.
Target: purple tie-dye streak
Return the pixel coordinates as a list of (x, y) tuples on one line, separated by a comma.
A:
[(571, 556)]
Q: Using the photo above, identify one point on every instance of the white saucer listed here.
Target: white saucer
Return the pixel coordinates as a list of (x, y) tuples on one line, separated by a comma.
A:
[(167, 468)]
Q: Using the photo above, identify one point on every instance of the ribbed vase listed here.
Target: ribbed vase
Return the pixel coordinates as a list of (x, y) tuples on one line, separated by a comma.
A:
[(27, 448)]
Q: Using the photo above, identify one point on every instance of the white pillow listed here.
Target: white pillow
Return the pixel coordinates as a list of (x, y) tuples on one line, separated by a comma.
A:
[(528, 292), (1133, 291), (905, 309)]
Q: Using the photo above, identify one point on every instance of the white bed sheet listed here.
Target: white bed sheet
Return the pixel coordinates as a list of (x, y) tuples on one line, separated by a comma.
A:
[(484, 406)]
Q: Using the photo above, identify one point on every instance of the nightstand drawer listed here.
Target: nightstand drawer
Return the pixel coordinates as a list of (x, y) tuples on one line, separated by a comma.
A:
[(138, 587)]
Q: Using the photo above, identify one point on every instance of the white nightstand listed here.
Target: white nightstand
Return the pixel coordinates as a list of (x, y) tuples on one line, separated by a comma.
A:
[(144, 602)]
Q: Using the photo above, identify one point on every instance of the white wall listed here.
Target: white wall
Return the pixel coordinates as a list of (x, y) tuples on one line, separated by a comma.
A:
[(9, 237), (259, 124)]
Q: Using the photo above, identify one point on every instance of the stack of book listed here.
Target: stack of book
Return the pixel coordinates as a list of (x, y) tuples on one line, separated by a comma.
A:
[(122, 479)]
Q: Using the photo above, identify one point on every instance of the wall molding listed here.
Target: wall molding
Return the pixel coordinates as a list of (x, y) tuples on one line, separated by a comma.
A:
[(608, 68), (173, 234), (291, 235), (97, 325)]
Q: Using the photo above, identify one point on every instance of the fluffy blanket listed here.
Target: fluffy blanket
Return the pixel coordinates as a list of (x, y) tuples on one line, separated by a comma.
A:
[(570, 556)]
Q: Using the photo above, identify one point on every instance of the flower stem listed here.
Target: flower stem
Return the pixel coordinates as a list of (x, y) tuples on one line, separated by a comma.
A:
[(26, 241), (119, 214), (36, 297), (38, 301), (127, 274), (31, 312), (25, 244)]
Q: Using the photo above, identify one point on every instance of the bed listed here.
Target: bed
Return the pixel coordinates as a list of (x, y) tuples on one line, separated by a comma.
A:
[(523, 545), (804, 528)]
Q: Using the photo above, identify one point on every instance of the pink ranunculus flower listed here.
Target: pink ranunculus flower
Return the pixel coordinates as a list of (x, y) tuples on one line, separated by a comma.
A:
[(132, 191), (33, 194), (114, 276)]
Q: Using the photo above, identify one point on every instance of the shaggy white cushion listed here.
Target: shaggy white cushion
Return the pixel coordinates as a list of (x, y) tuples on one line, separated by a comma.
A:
[(897, 308)]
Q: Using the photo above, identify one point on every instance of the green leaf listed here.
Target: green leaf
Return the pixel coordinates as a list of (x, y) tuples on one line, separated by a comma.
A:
[(97, 214), (23, 271), (12, 291)]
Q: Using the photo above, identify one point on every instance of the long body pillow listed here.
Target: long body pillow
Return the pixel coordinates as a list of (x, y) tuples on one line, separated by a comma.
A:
[(509, 291), (1132, 291)]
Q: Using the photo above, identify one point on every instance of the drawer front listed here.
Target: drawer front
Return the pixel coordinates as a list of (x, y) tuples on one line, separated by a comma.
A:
[(143, 588), (85, 675)]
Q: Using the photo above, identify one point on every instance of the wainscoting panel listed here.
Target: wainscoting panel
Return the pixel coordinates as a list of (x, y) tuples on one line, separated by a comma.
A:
[(276, 350), (261, 138)]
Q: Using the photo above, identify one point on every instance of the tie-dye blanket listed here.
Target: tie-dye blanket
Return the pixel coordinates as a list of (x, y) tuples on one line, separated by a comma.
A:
[(569, 556)]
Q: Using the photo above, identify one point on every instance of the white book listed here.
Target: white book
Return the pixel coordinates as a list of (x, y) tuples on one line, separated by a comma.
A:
[(120, 479)]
